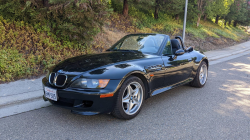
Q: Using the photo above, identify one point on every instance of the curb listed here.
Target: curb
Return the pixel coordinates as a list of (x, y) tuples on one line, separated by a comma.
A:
[(23, 107), (18, 98), (227, 55), (19, 103)]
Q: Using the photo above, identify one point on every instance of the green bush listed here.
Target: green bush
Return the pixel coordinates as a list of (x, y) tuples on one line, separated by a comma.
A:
[(12, 65), (75, 21), (26, 52)]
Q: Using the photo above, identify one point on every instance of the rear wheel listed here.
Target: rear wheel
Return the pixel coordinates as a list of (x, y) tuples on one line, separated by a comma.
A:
[(201, 76), (130, 98)]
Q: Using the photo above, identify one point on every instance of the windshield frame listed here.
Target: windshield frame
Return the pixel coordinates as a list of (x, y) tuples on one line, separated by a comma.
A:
[(112, 48)]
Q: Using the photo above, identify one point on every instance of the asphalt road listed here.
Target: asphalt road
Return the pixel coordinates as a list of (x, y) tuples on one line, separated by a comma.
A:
[(220, 110)]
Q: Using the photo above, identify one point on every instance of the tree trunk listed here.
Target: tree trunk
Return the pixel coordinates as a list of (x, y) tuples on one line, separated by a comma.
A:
[(229, 23), (217, 19), (235, 23), (156, 9), (205, 17), (199, 19), (177, 17), (46, 3), (225, 23), (125, 8)]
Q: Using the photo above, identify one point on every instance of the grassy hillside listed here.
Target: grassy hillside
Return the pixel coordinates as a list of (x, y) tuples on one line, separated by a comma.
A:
[(27, 51), (207, 37)]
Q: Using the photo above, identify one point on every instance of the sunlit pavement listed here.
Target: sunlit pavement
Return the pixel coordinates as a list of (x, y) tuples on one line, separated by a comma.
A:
[(220, 110)]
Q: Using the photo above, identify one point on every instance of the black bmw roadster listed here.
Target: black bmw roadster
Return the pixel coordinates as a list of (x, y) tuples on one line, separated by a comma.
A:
[(118, 81)]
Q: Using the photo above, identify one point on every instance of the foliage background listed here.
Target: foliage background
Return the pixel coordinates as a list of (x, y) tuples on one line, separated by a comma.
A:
[(37, 34)]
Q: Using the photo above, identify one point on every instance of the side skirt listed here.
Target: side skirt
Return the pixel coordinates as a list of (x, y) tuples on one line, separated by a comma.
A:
[(158, 91)]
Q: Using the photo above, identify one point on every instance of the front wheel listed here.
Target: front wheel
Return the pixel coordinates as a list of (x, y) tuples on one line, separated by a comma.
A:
[(201, 76), (130, 98)]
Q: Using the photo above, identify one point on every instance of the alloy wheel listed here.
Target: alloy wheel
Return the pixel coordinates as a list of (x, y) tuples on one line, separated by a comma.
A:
[(203, 74), (132, 98)]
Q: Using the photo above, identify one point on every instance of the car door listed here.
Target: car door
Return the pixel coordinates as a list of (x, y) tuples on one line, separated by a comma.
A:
[(177, 68), (156, 72)]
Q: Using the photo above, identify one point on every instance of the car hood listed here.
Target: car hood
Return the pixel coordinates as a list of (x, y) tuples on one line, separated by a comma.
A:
[(87, 62)]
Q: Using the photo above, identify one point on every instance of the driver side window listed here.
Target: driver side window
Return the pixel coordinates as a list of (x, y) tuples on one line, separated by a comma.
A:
[(167, 49)]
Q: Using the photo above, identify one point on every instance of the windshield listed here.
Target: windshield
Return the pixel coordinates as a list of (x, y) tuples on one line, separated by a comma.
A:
[(143, 43)]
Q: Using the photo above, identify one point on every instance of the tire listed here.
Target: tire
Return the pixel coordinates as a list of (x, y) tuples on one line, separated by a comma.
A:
[(128, 105), (201, 76)]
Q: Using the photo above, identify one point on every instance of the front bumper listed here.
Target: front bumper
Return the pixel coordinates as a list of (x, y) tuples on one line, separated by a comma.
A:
[(85, 102)]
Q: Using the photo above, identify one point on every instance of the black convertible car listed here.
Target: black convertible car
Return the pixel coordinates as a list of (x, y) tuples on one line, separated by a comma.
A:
[(118, 81)]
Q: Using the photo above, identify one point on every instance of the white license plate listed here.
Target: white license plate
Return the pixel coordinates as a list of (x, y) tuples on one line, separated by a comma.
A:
[(50, 93)]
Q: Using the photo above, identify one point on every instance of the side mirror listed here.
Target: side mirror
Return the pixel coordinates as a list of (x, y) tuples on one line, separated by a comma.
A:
[(179, 52), (190, 49)]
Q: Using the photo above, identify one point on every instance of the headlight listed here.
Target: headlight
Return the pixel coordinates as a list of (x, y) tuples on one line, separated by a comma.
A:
[(90, 83)]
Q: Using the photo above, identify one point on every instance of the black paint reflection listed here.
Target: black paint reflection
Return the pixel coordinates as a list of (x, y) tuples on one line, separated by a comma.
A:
[(99, 71), (122, 66), (88, 62)]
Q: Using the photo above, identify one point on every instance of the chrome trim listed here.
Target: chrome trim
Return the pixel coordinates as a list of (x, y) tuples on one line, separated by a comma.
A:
[(64, 81), (161, 90), (54, 81), (50, 76)]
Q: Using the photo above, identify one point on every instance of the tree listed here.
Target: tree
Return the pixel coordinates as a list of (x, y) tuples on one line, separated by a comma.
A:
[(242, 16), (175, 7), (205, 17), (46, 3), (125, 8), (208, 11), (211, 8), (220, 8), (72, 20), (201, 6), (238, 13), (217, 19), (157, 7)]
